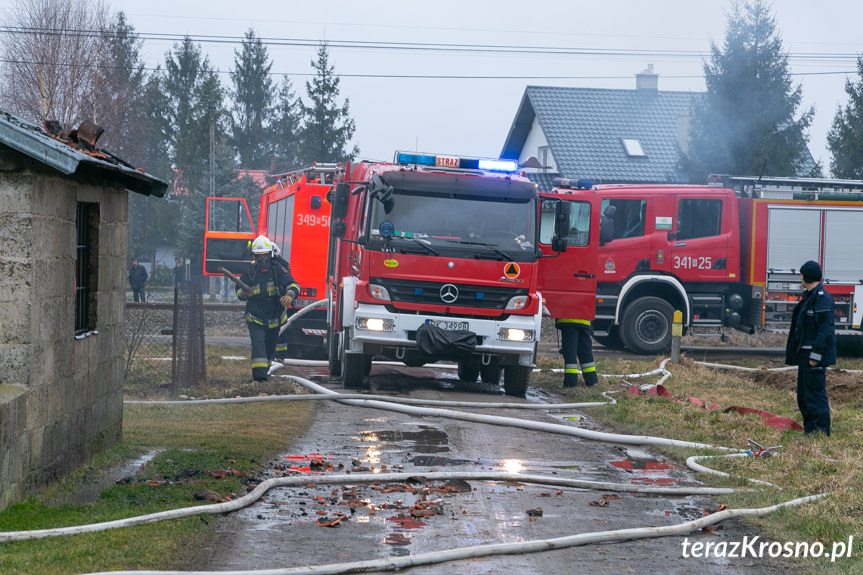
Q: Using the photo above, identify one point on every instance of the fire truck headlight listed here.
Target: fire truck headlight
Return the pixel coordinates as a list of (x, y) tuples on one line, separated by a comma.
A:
[(374, 324), (512, 334), (517, 302), (379, 292)]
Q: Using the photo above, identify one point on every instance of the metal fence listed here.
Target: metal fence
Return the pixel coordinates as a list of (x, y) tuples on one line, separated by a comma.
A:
[(165, 344), (189, 357)]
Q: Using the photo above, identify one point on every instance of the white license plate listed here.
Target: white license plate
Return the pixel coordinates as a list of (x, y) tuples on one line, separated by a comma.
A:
[(449, 325)]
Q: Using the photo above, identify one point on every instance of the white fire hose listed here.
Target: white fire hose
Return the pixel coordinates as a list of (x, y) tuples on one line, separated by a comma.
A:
[(395, 404)]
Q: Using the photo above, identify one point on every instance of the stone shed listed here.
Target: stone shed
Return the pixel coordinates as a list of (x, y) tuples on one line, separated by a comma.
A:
[(63, 220)]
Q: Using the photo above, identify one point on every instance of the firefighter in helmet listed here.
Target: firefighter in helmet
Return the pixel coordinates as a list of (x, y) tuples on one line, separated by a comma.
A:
[(272, 289)]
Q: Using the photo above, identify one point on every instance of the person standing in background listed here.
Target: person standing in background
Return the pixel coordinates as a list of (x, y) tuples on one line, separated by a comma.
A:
[(811, 346), (179, 271), (137, 278)]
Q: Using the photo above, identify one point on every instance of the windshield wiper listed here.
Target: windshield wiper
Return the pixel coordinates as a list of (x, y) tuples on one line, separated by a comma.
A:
[(489, 246), (419, 242)]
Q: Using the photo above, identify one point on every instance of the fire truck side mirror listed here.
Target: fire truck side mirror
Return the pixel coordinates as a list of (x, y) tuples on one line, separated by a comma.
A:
[(340, 201), (561, 220), (558, 244), (338, 228)]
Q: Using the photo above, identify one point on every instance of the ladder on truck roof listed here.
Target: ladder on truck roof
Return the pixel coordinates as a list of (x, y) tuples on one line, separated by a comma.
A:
[(789, 188), (324, 168)]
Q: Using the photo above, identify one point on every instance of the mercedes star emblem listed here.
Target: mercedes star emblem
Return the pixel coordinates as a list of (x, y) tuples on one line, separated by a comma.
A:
[(448, 293)]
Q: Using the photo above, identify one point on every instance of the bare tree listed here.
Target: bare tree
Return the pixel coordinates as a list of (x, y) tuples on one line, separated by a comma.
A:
[(52, 52)]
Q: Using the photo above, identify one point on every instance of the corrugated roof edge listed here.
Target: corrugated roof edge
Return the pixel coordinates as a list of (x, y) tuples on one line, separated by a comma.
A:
[(34, 142)]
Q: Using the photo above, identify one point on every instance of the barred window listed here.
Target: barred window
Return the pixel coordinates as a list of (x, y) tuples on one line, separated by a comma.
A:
[(86, 266)]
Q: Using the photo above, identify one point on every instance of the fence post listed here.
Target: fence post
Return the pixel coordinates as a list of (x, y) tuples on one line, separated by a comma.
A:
[(676, 334)]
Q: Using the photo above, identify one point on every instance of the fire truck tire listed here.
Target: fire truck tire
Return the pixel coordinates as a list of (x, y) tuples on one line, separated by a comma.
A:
[(612, 340), (515, 378), (335, 362), (646, 326), (490, 373), (355, 366), (468, 370)]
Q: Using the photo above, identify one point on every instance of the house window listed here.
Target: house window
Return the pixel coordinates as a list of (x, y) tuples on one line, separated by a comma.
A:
[(633, 148), (86, 266), (544, 157)]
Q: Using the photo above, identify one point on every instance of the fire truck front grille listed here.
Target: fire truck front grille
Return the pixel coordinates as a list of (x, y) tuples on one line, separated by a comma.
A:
[(442, 293)]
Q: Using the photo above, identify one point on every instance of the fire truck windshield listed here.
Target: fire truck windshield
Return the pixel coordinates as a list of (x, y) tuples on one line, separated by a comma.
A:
[(454, 224)]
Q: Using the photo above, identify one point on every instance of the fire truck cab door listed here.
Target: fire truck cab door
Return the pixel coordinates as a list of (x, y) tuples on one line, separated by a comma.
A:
[(698, 248), (227, 235), (567, 281)]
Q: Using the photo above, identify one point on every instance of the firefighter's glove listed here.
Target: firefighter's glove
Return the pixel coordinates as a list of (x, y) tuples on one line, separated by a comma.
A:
[(245, 294), (286, 300)]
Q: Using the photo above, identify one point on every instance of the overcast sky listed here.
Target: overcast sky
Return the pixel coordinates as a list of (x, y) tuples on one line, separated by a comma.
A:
[(398, 69)]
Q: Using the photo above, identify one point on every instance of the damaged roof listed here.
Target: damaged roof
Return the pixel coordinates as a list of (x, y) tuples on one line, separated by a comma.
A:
[(74, 156)]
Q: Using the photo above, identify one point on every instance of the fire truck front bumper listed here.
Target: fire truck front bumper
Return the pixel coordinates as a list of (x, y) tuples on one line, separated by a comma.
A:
[(376, 330)]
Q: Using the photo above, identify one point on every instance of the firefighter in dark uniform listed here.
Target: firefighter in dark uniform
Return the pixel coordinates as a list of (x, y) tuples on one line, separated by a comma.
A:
[(811, 347), (577, 348), (272, 291)]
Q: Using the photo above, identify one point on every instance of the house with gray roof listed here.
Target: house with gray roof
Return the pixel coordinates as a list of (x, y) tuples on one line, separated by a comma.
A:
[(63, 228), (604, 135)]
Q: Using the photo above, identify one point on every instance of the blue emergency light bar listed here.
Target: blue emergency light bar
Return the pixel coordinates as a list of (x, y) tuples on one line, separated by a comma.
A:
[(572, 183), (459, 162)]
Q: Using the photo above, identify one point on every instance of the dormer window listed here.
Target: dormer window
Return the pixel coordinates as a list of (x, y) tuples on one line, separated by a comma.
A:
[(633, 148)]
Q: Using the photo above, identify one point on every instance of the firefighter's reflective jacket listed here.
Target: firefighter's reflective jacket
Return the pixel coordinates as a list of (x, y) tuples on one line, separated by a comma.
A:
[(268, 285)]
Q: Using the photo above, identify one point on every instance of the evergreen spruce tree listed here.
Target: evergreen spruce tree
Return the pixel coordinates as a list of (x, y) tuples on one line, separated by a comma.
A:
[(252, 104), (195, 98), (845, 139), (128, 107), (327, 127), (745, 122), (287, 129), (119, 106)]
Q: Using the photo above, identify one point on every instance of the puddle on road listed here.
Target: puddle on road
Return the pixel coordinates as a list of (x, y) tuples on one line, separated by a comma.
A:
[(650, 471)]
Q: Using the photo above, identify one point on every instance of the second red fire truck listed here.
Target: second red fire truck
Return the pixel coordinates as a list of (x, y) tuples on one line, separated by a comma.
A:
[(725, 254)]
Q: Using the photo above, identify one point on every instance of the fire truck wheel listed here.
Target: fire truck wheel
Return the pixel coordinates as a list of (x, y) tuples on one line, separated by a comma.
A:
[(611, 341), (515, 378), (354, 366), (490, 373), (468, 370), (335, 361), (646, 326)]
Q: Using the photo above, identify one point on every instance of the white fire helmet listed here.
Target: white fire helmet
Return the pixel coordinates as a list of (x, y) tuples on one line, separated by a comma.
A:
[(262, 245)]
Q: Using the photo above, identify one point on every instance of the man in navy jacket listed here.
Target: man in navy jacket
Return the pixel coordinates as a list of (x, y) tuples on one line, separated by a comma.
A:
[(811, 347)]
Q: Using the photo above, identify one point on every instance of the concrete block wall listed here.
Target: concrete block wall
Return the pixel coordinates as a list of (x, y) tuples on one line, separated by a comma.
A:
[(61, 399)]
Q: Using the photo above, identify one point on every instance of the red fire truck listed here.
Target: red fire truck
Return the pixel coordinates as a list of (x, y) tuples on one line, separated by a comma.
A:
[(430, 257), (725, 254), (295, 214)]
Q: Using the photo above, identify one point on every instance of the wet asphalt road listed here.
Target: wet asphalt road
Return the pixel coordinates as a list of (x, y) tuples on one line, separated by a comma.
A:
[(282, 531)]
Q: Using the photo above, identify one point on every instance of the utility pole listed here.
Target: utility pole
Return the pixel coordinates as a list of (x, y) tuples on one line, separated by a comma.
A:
[(212, 149), (213, 286)]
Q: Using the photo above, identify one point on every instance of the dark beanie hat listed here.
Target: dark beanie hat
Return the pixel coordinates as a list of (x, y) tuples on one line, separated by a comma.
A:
[(811, 272)]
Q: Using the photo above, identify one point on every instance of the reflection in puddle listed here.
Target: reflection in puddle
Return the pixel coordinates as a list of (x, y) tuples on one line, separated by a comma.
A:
[(310, 463), (512, 466), (649, 471)]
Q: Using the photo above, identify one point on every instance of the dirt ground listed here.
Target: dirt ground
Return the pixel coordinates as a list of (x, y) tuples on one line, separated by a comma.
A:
[(842, 387)]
